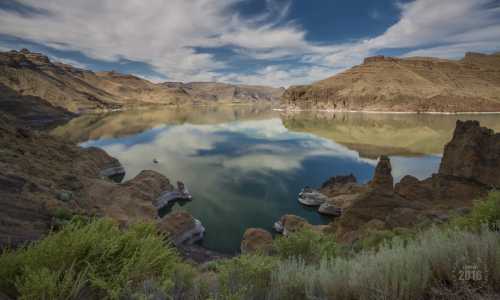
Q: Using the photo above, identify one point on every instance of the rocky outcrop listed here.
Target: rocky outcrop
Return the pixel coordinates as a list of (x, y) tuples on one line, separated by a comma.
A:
[(415, 84), (290, 223), (31, 111), (382, 179), (473, 153), (256, 240), (469, 169), (45, 180), (181, 228), (311, 197)]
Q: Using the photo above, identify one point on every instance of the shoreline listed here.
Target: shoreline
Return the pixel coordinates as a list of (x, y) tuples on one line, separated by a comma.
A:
[(389, 112)]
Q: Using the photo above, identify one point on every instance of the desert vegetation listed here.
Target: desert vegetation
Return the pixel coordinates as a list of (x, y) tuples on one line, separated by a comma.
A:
[(97, 259)]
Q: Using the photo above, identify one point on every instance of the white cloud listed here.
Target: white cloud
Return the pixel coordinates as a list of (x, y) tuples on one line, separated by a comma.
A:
[(67, 61), (168, 35)]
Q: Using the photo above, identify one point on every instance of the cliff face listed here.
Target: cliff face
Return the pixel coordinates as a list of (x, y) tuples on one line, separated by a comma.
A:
[(77, 90), (415, 84), (64, 86), (223, 92)]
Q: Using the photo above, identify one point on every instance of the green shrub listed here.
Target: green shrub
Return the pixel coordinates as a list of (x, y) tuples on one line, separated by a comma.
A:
[(306, 244), (246, 276), (485, 212), (108, 261), (374, 239), (428, 266)]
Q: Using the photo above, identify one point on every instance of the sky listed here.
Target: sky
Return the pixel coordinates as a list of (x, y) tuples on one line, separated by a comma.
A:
[(268, 42)]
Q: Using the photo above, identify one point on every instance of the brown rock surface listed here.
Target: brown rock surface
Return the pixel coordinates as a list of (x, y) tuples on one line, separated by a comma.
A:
[(256, 240), (78, 90), (469, 168), (43, 178), (181, 228), (382, 178), (416, 84), (473, 153)]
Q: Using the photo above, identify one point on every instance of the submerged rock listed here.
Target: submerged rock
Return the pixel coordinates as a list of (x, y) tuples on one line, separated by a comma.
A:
[(256, 240), (181, 228)]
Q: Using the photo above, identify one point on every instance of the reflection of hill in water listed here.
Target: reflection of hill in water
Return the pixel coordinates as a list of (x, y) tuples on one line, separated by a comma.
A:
[(391, 134), (124, 123)]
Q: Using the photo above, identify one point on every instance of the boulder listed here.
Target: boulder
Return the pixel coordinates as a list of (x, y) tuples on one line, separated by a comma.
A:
[(181, 228), (382, 179), (473, 153), (256, 240), (290, 223), (329, 209), (342, 185), (128, 202), (336, 205), (310, 197)]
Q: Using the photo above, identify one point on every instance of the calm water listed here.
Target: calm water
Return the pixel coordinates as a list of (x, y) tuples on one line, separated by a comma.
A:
[(246, 165)]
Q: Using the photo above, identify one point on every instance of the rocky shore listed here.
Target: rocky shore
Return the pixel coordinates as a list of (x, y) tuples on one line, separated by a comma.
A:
[(470, 168), (45, 181)]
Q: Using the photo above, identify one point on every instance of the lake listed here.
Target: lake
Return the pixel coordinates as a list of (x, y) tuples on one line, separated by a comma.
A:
[(245, 165)]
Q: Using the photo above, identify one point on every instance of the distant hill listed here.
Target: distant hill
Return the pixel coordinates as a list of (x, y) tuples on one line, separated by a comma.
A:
[(223, 92), (417, 84), (79, 90)]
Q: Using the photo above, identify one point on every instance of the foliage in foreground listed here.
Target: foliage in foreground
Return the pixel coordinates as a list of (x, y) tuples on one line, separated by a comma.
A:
[(97, 260), (458, 261), (450, 262), (307, 245)]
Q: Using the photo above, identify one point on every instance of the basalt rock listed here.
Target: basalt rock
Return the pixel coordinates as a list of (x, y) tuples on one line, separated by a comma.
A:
[(382, 179), (44, 178), (181, 228), (290, 223), (256, 240), (469, 169), (473, 153)]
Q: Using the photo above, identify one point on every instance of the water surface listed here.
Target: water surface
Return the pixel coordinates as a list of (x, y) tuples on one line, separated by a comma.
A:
[(245, 165)]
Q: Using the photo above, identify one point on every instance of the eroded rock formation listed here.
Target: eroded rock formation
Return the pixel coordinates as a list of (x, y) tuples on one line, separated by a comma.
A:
[(473, 153), (469, 169), (256, 240), (181, 228)]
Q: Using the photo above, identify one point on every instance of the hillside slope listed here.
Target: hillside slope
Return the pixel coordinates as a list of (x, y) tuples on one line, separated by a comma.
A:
[(416, 84), (74, 89), (79, 90), (223, 92)]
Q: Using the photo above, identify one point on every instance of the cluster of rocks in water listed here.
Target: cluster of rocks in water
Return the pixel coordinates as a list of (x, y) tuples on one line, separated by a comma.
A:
[(470, 168)]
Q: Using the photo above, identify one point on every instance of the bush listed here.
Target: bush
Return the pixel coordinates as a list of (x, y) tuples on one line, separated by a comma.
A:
[(485, 212), (246, 276), (98, 256), (307, 245), (429, 266)]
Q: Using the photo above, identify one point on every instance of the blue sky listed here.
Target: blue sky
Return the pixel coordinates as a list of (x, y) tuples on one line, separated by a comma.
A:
[(272, 42)]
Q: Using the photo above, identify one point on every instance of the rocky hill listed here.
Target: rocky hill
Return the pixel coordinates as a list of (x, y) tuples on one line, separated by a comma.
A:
[(223, 92), (76, 90), (417, 84), (79, 90)]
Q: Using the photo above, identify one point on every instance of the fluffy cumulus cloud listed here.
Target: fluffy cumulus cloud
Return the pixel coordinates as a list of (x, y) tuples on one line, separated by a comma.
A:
[(174, 37)]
